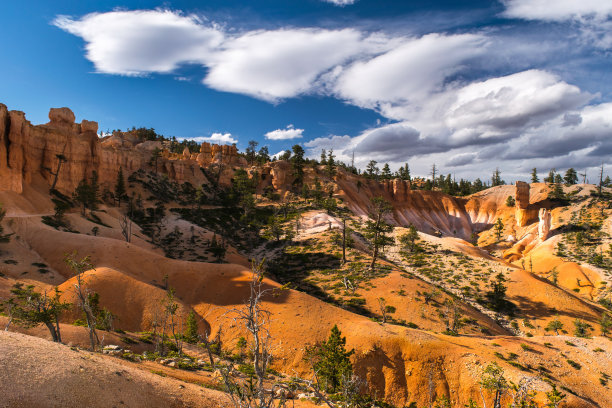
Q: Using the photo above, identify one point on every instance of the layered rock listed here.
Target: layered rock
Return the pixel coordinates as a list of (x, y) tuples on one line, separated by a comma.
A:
[(28, 151), (522, 203), (217, 154), (545, 223)]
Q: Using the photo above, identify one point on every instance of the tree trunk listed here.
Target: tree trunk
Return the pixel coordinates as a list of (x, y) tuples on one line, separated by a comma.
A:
[(52, 331), (57, 329)]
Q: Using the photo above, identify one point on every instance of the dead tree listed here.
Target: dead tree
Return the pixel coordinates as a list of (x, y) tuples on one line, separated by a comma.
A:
[(126, 227), (253, 393), (83, 294), (60, 159)]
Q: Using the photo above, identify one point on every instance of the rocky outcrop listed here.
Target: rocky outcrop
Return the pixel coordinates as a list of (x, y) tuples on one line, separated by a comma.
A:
[(545, 223), (218, 154), (28, 151), (522, 203)]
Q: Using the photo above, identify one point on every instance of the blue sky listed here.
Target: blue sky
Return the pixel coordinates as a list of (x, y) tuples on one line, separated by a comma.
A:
[(469, 86)]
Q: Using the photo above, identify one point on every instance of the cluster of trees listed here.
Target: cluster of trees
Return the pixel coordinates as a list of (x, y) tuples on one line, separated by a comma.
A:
[(29, 308)]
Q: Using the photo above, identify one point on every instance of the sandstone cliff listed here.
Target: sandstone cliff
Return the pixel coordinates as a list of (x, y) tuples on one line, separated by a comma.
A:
[(28, 151)]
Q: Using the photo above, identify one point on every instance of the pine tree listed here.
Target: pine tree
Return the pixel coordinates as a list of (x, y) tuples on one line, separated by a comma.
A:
[(386, 172), (250, 152), (330, 166), (120, 191), (376, 229), (496, 178), (371, 169), (191, 331), (554, 397), (297, 162), (323, 157), (155, 155), (571, 177), (29, 308), (263, 156), (332, 361), (499, 229), (83, 195), (409, 240), (494, 381), (555, 325), (534, 175), (497, 294)]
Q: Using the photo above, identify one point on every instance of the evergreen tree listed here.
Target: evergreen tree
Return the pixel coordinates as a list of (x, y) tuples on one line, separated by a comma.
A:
[(499, 229), (297, 161), (29, 308), (581, 328), (404, 172), (496, 178), (571, 177), (551, 176), (83, 195), (497, 294), (191, 332), (331, 361), (534, 175), (409, 240), (155, 157), (376, 229), (251, 151), (493, 380), (120, 191), (386, 172), (264, 155), (554, 397), (372, 170), (330, 166), (555, 325), (323, 157)]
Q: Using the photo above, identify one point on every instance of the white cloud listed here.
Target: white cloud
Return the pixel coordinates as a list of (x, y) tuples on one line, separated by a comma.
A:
[(140, 42), (273, 65), (507, 105), (409, 72), (558, 10), (471, 125), (446, 111), (594, 17), (290, 132), (341, 3), (217, 138)]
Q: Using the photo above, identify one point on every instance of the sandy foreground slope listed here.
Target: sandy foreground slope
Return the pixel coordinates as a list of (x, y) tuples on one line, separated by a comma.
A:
[(39, 373)]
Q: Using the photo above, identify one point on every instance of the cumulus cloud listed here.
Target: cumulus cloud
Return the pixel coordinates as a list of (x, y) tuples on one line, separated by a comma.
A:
[(290, 132), (140, 42), (273, 65), (594, 17), (444, 109), (504, 106), (218, 138), (558, 10), (409, 72)]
